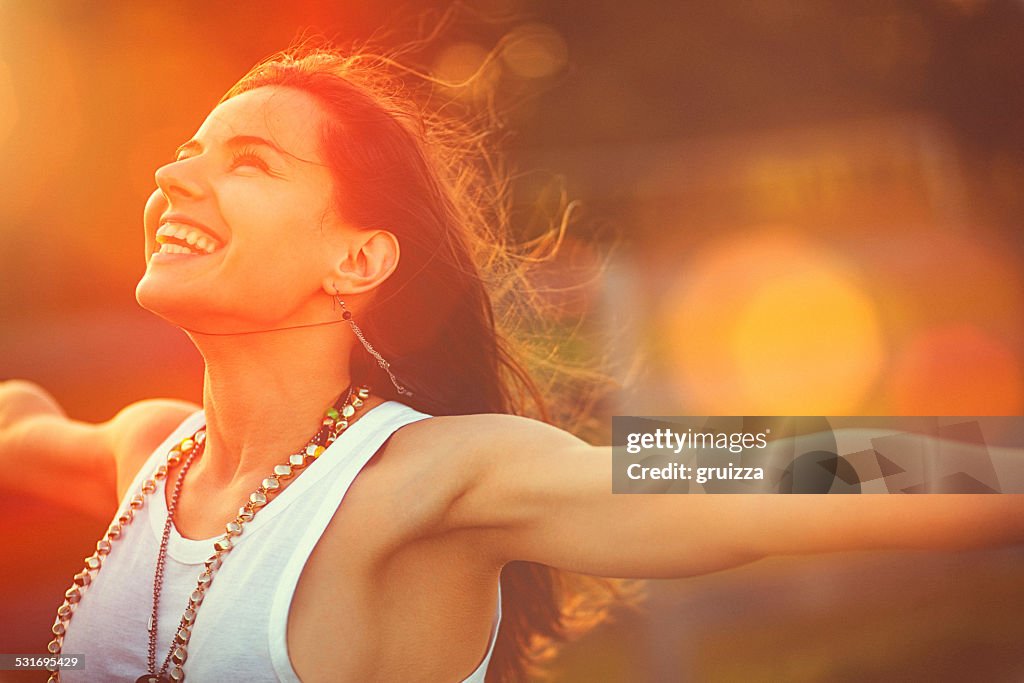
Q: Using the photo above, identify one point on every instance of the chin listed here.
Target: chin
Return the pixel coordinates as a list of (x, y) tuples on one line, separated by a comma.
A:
[(170, 302), (191, 308)]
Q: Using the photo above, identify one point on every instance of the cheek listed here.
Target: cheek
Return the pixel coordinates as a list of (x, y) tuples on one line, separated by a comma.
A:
[(276, 230), (274, 252)]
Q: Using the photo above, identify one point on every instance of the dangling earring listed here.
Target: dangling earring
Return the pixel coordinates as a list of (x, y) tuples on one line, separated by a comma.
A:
[(347, 316)]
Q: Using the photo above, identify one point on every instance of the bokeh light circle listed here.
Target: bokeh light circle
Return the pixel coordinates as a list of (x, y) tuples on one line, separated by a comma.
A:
[(535, 51), (772, 324)]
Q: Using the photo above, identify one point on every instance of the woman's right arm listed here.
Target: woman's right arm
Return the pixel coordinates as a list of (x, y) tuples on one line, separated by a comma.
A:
[(53, 458)]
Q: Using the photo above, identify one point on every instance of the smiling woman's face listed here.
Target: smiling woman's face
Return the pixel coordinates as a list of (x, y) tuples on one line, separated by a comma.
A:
[(240, 233)]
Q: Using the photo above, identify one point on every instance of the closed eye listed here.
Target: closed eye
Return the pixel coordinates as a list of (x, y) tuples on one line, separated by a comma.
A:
[(247, 156)]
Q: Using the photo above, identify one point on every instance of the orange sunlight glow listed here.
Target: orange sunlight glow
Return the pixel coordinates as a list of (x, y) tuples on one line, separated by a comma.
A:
[(956, 370), (774, 325)]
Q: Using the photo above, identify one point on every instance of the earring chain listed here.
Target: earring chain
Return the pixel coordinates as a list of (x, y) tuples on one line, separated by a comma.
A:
[(386, 366)]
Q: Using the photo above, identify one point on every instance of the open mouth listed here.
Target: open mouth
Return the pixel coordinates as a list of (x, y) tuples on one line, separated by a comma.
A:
[(178, 238)]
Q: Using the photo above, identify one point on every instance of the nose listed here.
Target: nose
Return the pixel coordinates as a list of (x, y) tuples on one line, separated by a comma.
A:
[(177, 178)]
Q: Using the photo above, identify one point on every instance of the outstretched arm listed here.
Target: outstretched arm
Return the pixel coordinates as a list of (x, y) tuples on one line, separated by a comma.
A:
[(56, 459), (541, 494)]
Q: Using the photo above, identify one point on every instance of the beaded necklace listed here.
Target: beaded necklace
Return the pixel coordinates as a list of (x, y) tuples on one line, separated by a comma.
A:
[(335, 421)]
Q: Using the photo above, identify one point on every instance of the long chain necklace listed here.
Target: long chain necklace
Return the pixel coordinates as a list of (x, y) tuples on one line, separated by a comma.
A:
[(335, 421)]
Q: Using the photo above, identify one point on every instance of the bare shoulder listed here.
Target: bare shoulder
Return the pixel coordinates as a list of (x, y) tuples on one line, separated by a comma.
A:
[(138, 429), (459, 453), (488, 432)]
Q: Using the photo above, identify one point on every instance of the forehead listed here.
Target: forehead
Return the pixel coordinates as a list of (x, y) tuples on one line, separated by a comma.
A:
[(290, 118)]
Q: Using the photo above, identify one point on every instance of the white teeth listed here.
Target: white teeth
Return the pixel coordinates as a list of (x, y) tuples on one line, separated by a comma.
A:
[(187, 233), (168, 248)]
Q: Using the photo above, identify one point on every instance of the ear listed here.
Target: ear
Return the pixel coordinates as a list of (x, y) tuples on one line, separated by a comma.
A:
[(369, 259)]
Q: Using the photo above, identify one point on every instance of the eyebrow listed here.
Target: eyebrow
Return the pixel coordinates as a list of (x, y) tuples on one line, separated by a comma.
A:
[(236, 141)]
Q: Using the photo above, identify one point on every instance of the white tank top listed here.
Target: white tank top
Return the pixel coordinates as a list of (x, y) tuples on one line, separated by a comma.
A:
[(240, 631)]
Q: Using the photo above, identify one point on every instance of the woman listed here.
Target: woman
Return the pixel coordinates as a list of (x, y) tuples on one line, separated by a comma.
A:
[(313, 238)]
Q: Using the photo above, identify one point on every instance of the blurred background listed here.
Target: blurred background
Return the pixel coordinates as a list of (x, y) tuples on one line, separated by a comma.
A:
[(786, 208)]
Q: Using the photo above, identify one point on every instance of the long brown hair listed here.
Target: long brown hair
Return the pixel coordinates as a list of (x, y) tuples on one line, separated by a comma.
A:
[(447, 317)]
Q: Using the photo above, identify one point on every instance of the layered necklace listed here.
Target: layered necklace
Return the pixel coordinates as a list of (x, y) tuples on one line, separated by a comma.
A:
[(335, 421)]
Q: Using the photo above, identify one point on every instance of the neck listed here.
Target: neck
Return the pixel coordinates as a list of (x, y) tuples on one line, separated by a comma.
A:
[(264, 396)]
